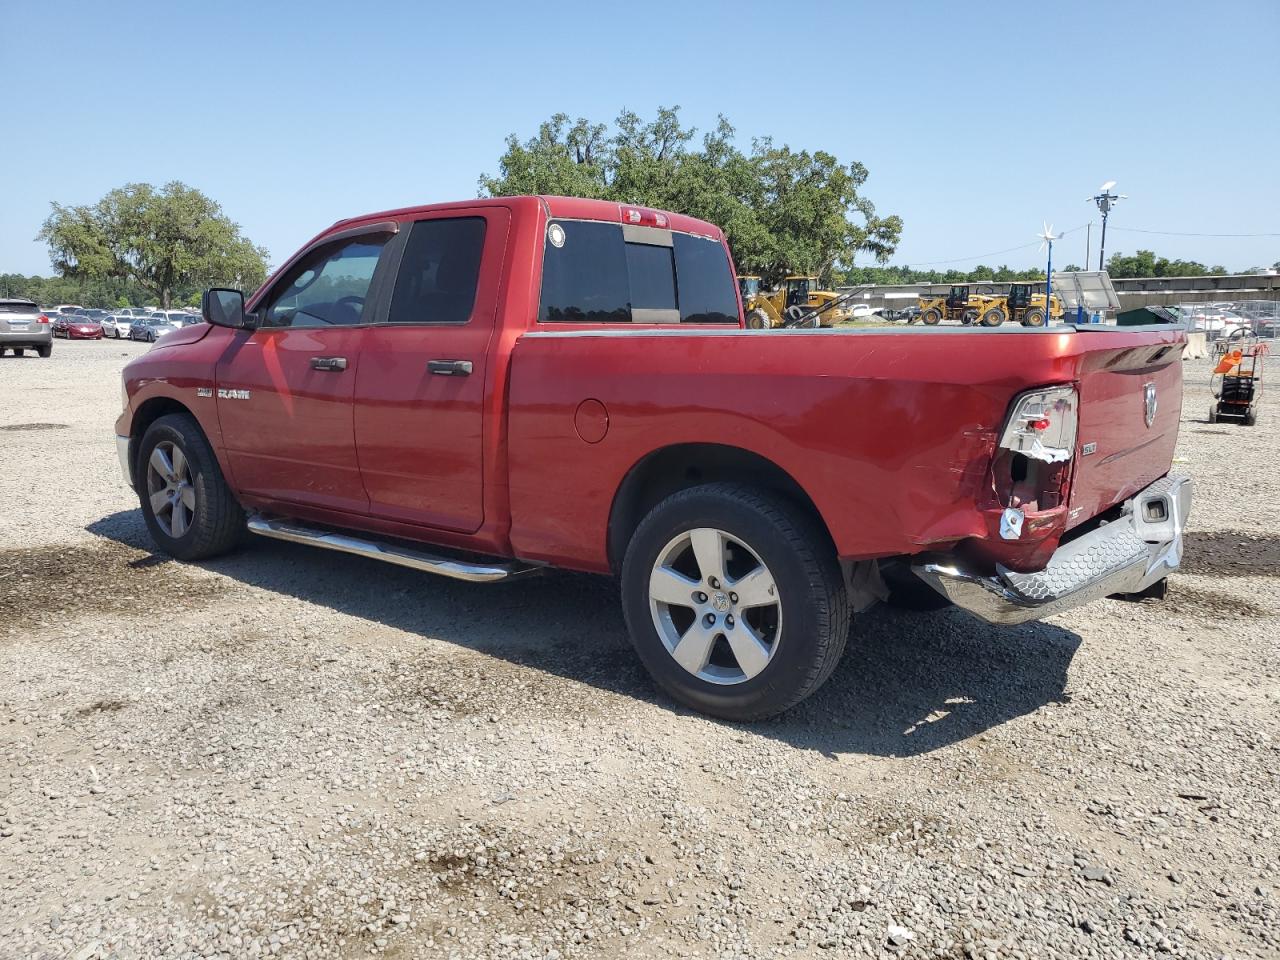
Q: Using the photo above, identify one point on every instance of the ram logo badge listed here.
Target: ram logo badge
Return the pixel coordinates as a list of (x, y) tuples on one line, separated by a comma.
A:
[(204, 391), (224, 394)]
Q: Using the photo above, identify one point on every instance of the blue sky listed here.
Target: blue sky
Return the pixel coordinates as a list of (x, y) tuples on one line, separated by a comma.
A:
[(293, 115)]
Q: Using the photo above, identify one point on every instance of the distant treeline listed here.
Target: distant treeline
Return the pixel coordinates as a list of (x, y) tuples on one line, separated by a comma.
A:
[(106, 294)]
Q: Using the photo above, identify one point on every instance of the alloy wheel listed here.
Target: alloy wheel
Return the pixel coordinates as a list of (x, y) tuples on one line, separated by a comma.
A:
[(170, 489), (716, 606)]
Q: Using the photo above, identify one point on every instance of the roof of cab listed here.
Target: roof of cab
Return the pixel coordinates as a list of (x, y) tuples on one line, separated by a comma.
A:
[(567, 208)]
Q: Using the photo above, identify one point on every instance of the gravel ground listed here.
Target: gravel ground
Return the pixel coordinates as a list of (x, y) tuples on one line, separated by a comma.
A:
[(287, 752)]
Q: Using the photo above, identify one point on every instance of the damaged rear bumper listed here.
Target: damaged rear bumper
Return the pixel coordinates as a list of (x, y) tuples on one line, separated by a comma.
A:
[(1126, 555)]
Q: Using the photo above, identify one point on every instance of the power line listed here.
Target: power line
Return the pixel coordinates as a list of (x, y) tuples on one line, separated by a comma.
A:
[(1173, 233), (993, 253)]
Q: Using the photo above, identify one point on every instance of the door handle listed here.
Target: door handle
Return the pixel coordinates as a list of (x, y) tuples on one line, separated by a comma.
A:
[(450, 368), (334, 364)]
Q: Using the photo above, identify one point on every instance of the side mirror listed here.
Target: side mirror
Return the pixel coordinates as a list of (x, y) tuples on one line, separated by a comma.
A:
[(224, 308)]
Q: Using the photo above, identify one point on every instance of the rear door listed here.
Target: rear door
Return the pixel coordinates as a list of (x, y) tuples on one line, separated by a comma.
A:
[(284, 390), (421, 389)]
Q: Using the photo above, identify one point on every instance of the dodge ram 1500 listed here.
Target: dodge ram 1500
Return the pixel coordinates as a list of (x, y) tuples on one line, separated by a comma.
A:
[(487, 388)]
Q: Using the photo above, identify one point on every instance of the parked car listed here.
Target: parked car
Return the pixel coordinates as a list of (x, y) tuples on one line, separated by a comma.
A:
[(548, 381), (92, 313), (67, 308), (24, 326), (152, 328), (134, 312), (75, 327), (116, 326)]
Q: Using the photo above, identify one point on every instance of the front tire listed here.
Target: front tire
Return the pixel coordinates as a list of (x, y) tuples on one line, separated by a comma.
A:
[(188, 507), (993, 317), (931, 317), (734, 601), (1033, 318), (758, 320)]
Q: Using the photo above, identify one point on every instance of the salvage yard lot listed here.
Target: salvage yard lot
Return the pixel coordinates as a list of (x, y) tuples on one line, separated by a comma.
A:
[(292, 752)]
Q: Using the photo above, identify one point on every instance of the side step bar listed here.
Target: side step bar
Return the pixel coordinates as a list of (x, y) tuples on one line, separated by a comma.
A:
[(388, 552)]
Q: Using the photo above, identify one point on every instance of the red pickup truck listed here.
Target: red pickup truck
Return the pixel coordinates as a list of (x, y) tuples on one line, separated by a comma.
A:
[(488, 388)]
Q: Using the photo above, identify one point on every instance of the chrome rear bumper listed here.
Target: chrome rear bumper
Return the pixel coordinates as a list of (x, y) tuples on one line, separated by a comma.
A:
[(1126, 555)]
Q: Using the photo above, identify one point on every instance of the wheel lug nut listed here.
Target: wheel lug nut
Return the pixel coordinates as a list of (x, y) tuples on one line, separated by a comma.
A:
[(728, 621), (713, 583), (733, 598), (700, 597), (709, 619)]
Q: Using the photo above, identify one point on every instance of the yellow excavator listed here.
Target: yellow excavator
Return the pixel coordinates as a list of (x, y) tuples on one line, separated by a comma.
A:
[(963, 306), (796, 297)]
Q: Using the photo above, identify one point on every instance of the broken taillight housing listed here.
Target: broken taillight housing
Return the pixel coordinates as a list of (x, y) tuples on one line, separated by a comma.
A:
[(1031, 469), (1042, 424)]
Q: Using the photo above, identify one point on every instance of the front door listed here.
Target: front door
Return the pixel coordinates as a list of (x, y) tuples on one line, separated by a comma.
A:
[(422, 387), (284, 390)]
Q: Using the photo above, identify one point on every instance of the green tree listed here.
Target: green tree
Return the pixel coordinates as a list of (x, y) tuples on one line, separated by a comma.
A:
[(782, 210), (1145, 263), (164, 241)]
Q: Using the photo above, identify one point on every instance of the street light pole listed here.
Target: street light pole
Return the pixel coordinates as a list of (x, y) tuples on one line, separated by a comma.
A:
[(1105, 201)]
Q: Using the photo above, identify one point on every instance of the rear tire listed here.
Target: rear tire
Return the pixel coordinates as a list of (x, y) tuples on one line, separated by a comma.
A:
[(1250, 417), (19, 351), (1033, 318), (211, 519), (792, 616), (1213, 413), (45, 351), (931, 317)]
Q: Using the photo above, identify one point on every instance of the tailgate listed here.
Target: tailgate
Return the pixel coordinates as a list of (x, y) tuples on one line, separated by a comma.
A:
[(1130, 407)]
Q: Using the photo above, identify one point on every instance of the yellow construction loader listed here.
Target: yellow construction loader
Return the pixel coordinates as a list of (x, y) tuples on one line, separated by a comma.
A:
[(1026, 306), (963, 306), (757, 306), (796, 297)]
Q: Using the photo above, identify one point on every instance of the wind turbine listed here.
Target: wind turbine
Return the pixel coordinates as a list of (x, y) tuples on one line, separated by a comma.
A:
[(1046, 240), (1105, 200)]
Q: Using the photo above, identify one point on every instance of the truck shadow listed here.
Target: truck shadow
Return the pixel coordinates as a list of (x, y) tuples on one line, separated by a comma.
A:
[(909, 684)]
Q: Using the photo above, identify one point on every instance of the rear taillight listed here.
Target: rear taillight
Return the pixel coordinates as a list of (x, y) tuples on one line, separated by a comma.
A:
[(1031, 470), (1042, 424), (42, 319)]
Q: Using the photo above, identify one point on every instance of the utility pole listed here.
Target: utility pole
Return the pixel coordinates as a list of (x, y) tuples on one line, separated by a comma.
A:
[(1088, 242), (1105, 201)]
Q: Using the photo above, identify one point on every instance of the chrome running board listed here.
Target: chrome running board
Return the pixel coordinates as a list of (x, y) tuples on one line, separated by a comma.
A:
[(475, 572)]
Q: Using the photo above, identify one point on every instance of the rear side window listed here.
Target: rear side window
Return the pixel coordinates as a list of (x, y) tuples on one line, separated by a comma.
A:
[(598, 273), (439, 272), (708, 290)]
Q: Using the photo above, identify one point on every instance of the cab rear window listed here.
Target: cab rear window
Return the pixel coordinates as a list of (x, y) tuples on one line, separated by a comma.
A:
[(604, 273)]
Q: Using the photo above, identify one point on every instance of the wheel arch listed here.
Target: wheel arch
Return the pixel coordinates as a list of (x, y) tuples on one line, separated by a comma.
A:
[(670, 469), (148, 413)]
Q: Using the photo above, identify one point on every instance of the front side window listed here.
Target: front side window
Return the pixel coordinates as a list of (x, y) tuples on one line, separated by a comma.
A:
[(328, 288), (439, 272)]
